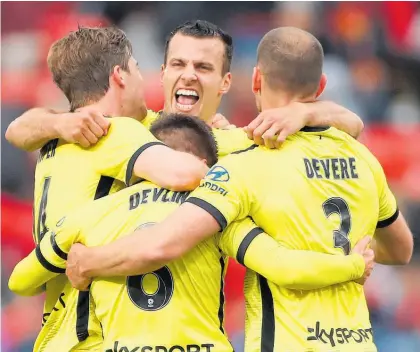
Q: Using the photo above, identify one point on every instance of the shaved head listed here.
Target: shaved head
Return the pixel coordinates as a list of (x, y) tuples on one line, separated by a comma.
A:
[(290, 60)]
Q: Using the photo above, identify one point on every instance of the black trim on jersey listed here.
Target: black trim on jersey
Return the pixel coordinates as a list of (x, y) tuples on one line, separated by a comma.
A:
[(51, 144), (240, 256), (104, 187), (211, 209), (46, 264), (245, 150), (314, 129), (221, 312), (42, 217), (389, 221), (57, 250), (82, 310), (132, 161), (82, 320), (268, 324)]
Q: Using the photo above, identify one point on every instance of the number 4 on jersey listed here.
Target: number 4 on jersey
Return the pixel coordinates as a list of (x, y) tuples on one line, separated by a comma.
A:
[(336, 205), (41, 228)]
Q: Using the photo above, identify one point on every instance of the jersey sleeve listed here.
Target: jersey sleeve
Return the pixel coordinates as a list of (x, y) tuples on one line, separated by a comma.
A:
[(224, 192), (293, 269), (116, 154), (49, 257), (388, 209), (229, 141)]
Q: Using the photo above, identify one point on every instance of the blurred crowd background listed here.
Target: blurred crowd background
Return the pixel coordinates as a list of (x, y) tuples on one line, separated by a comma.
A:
[(372, 59)]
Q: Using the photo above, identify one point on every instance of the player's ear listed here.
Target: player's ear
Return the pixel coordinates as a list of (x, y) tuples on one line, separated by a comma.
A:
[(117, 76), (226, 83), (322, 84), (162, 73), (256, 80)]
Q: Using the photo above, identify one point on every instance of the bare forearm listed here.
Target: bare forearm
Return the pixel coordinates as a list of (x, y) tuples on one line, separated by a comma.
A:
[(33, 129), (121, 258), (391, 254), (393, 245), (327, 113), (150, 248)]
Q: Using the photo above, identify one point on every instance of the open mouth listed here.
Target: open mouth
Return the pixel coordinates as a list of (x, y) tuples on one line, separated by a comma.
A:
[(186, 99)]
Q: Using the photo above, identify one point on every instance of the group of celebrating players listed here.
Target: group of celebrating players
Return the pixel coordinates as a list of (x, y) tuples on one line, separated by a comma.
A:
[(135, 211)]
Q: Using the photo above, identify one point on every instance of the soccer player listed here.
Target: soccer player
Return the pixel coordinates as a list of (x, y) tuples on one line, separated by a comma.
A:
[(68, 175), (195, 76), (319, 192), (139, 311), (107, 167)]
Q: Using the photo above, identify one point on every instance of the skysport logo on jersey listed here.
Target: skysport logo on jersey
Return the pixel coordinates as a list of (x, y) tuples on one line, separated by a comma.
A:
[(205, 347), (218, 174)]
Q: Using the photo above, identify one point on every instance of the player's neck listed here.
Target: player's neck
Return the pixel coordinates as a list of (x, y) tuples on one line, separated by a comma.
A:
[(107, 107), (273, 100)]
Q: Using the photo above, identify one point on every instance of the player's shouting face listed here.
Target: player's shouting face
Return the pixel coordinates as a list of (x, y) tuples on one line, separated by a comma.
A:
[(196, 74)]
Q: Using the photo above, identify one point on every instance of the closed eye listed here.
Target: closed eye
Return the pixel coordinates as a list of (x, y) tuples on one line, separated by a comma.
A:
[(205, 67)]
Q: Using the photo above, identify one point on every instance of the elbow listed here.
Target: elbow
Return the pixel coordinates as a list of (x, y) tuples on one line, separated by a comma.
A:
[(400, 258), (405, 252), (185, 180), (360, 128), (403, 258), (9, 135), (17, 288), (12, 135)]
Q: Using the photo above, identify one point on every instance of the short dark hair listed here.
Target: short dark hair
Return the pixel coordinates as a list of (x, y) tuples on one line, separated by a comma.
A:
[(291, 59), (82, 62), (204, 29), (187, 134)]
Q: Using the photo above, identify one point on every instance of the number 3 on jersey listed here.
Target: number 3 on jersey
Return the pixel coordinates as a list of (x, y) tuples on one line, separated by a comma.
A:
[(336, 205), (41, 227), (151, 301)]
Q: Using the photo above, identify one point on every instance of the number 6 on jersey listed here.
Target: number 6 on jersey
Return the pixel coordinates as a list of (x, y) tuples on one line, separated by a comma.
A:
[(151, 301)]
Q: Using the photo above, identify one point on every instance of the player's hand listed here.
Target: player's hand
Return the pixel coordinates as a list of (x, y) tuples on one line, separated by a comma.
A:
[(272, 127), (221, 122), (362, 248), (74, 270), (84, 126)]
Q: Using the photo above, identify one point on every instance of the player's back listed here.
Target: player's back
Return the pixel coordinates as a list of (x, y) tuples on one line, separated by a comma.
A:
[(319, 192), (68, 176), (180, 304)]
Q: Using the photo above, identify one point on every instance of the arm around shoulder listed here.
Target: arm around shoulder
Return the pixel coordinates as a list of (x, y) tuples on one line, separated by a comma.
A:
[(170, 169), (292, 269), (328, 113), (33, 129)]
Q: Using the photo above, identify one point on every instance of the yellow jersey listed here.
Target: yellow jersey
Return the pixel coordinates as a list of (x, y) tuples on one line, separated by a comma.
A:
[(68, 175), (190, 288), (322, 191), (139, 311)]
